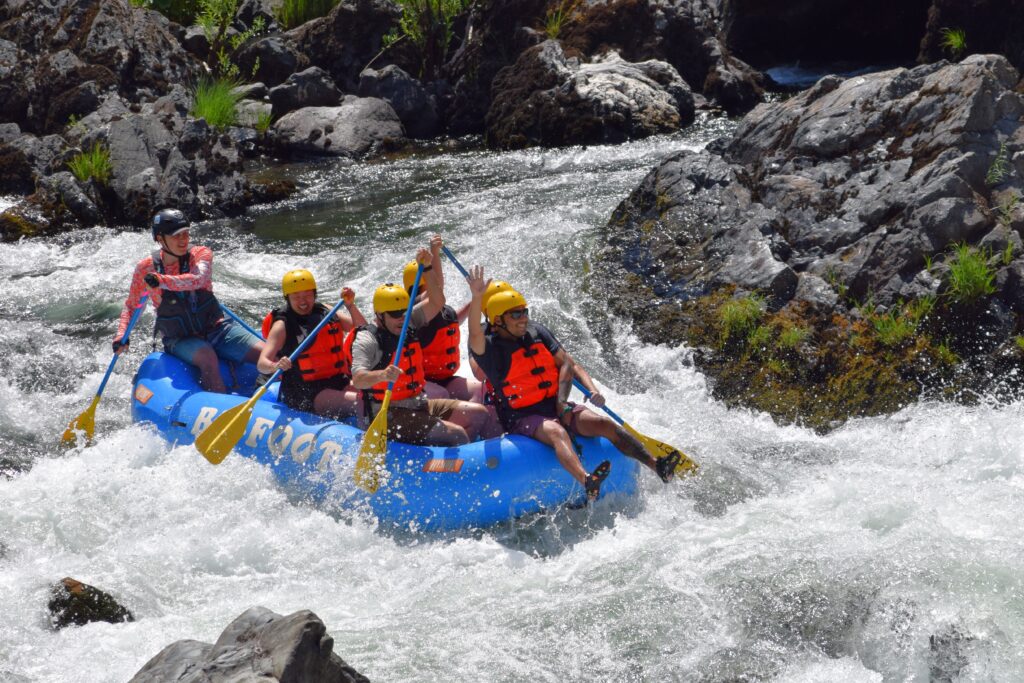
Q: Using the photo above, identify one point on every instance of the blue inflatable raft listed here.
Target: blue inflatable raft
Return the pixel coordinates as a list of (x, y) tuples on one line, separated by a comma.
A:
[(428, 488)]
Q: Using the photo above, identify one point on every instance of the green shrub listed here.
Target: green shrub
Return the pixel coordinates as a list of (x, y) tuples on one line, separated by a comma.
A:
[(294, 13), (1007, 257), (216, 100), (92, 164), (739, 317), (428, 25), (1020, 342), (793, 336), (954, 41), (970, 277)]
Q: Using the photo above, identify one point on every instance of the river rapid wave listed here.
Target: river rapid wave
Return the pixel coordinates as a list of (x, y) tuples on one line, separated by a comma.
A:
[(886, 550)]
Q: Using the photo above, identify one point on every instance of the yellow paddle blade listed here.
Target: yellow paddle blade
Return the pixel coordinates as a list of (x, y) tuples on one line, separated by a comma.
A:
[(86, 422), (373, 452), (660, 449), (217, 440)]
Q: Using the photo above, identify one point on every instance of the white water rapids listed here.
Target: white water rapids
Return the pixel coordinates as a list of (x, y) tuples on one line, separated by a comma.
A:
[(888, 550)]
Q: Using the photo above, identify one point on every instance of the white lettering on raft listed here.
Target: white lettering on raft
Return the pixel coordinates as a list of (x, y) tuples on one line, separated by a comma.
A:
[(204, 419), (259, 428), (279, 439)]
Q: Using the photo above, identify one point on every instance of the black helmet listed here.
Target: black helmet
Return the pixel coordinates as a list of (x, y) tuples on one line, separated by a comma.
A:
[(169, 222)]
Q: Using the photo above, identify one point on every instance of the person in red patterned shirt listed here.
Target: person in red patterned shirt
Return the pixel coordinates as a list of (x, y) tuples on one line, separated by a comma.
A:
[(179, 280)]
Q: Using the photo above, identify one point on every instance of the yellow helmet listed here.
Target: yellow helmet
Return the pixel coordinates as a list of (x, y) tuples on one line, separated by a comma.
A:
[(300, 280), (492, 289), (390, 297), (409, 274), (503, 302)]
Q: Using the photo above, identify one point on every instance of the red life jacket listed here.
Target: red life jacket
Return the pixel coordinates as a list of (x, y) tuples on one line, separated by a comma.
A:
[(440, 339), (327, 355), (532, 376), (410, 362)]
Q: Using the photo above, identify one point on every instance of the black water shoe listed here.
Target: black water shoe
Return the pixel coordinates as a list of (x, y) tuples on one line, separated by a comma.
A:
[(595, 479), (666, 467)]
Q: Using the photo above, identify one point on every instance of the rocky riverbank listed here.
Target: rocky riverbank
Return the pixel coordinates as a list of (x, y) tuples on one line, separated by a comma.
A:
[(843, 252)]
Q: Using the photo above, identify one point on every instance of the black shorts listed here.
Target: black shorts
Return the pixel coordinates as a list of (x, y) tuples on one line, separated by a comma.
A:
[(300, 396)]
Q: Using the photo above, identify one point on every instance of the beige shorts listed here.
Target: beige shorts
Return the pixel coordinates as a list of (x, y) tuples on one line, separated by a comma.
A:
[(413, 426)]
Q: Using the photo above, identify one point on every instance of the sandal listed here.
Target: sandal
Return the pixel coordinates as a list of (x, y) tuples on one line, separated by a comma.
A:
[(666, 467), (595, 479)]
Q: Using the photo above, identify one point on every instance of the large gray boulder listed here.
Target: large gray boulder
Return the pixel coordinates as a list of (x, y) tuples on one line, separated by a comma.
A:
[(843, 203), (259, 645), (549, 99), (77, 50), (310, 88), (414, 105), (353, 129)]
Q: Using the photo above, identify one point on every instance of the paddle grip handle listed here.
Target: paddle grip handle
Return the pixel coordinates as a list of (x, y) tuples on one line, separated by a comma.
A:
[(241, 322), (124, 340), (408, 317), (308, 340)]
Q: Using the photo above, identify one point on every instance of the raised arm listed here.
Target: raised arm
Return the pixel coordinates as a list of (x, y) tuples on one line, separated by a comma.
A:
[(354, 317), (477, 287), (434, 301)]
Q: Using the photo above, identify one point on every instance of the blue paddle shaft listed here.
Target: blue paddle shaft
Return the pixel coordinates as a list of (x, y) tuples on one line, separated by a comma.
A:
[(241, 322), (308, 340), (455, 262), (408, 317), (124, 340)]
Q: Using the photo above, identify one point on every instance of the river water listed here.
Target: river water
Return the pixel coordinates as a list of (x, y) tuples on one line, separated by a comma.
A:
[(887, 550)]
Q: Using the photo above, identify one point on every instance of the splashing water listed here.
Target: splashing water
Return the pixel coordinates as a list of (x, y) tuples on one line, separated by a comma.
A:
[(887, 550)]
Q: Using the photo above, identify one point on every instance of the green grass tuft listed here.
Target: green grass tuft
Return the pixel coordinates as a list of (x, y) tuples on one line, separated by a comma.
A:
[(1020, 342), (557, 17), (970, 277), (892, 328), (263, 121), (954, 41), (792, 337), (739, 317), (294, 13), (215, 100), (1000, 168), (93, 163)]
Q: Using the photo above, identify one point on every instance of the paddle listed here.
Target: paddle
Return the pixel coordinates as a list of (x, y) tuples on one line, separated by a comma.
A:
[(86, 422), (656, 448), (217, 440), (373, 452), (241, 322)]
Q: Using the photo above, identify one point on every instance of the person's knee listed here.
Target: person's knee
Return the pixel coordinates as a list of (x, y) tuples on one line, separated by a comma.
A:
[(455, 434), (206, 359)]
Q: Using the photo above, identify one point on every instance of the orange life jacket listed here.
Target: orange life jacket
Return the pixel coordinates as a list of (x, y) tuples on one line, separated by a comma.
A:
[(325, 357), (410, 362), (532, 376), (440, 339)]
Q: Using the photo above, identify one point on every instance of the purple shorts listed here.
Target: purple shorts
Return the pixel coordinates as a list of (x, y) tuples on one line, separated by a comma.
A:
[(528, 425)]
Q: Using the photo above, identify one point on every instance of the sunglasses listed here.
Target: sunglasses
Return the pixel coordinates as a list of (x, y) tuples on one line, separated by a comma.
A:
[(398, 315), (521, 313)]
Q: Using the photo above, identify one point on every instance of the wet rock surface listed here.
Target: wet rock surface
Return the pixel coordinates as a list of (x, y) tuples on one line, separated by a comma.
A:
[(842, 213), (549, 99), (258, 645), (75, 603)]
